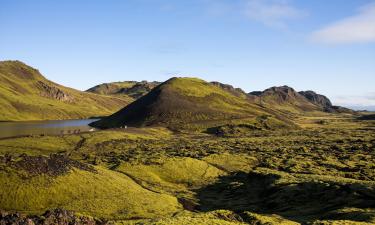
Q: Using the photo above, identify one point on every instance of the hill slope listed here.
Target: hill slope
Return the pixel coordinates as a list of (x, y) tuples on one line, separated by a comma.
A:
[(182, 102), (26, 95)]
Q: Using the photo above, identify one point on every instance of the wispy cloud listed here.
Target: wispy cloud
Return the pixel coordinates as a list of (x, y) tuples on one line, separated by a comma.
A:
[(359, 28), (273, 13), (356, 100)]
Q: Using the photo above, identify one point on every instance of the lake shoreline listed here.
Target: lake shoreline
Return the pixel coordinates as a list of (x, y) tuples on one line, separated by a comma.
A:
[(44, 128)]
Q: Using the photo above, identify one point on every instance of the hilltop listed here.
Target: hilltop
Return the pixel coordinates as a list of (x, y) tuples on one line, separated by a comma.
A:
[(25, 94), (183, 102)]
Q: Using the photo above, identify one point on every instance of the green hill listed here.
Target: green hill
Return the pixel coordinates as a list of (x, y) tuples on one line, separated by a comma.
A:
[(188, 103), (131, 89), (26, 95)]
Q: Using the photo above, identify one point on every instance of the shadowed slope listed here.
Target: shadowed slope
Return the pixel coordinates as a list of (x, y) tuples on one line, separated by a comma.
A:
[(26, 95), (179, 102)]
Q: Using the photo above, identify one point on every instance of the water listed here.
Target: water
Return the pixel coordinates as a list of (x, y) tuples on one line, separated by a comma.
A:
[(51, 127)]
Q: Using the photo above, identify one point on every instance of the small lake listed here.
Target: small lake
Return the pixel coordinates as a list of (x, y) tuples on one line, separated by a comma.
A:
[(50, 127)]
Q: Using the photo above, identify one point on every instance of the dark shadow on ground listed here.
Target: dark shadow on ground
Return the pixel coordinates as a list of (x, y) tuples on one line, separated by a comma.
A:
[(300, 202)]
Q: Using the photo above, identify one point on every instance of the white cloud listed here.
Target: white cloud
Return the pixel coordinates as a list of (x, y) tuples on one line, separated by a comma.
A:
[(273, 13), (355, 100), (355, 29)]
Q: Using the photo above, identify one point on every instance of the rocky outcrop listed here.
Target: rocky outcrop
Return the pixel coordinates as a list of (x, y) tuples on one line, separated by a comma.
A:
[(53, 92), (317, 99), (50, 217), (235, 91)]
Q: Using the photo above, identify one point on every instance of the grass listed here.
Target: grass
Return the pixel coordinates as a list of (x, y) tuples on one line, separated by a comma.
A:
[(26, 95)]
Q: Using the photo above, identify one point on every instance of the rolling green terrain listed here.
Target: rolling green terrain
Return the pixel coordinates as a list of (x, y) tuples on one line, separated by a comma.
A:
[(192, 152), (322, 173), (26, 95)]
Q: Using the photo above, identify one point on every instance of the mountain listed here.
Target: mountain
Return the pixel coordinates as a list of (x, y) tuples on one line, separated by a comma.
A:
[(26, 95), (133, 89), (188, 102), (284, 98)]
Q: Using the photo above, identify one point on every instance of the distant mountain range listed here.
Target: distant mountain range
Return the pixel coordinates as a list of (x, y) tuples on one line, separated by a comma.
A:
[(179, 102)]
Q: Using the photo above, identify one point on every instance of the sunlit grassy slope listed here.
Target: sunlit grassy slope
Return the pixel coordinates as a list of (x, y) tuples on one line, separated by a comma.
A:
[(26, 95), (102, 193), (189, 103)]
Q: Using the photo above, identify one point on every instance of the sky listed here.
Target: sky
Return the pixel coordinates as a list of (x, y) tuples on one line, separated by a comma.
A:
[(320, 45)]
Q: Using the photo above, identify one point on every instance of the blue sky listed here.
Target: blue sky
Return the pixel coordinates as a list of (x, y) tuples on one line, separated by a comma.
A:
[(326, 46)]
